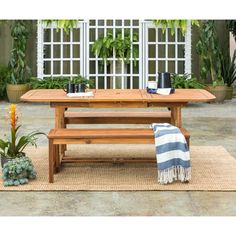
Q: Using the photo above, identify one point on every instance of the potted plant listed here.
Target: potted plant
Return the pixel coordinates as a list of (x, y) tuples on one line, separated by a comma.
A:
[(229, 73), (18, 171), (185, 81), (13, 147), (104, 47), (59, 82), (83, 80), (121, 47), (231, 25), (3, 81), (18, 70), (210, 59)]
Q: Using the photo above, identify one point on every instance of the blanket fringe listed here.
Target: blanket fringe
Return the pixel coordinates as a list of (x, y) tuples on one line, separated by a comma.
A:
[(174, 173)]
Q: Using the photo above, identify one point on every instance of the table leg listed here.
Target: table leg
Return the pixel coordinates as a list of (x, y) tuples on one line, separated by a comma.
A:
[(176, 118), (59, 123)]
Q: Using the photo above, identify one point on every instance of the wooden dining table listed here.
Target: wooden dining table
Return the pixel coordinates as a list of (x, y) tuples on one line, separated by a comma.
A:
[(118, 98)]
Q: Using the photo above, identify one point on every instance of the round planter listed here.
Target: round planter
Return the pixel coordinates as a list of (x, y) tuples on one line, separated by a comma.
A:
[(219, 92), (4, 160), (229, 93), (15, 91)]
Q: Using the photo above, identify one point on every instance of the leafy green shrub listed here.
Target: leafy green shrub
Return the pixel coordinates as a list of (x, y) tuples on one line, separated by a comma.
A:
[(18, 171), (208, 48), (19, 72), (172, 24), (185, 81), (65, 24), (228, 71), (231, 25), (49, 83), (104, 47), (3, 81), (58, 82)]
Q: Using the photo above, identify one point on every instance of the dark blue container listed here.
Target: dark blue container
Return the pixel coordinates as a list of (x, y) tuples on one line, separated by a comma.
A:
[(164, 80)]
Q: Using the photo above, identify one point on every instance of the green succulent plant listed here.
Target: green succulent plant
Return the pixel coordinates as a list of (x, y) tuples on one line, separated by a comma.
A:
[(18, 171)]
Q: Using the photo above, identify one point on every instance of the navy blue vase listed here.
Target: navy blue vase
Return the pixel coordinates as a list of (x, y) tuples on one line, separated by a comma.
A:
[(164, 80)]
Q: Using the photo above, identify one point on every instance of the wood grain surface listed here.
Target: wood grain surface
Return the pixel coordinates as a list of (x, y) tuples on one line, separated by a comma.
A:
[(119, 95)]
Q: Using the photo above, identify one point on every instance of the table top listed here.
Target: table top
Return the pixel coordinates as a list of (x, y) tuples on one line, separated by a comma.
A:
[(119, 95)]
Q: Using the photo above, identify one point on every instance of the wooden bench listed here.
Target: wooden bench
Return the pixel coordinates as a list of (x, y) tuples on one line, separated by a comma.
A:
[(116, 117), (96, 136)]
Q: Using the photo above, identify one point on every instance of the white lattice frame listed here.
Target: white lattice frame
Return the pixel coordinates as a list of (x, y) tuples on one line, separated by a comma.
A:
[(105, 27), (188, 49), (143, 51), (40, 49), (145, 58)]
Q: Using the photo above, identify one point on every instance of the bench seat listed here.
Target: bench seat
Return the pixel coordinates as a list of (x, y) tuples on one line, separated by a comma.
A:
[(105, 136), (121, 117), (97, 136)]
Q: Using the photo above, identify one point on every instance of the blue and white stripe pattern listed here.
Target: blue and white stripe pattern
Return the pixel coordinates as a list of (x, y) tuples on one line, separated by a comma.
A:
[(172, 154)]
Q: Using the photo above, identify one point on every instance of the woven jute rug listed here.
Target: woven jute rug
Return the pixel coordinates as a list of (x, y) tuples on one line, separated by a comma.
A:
[(213, 169)]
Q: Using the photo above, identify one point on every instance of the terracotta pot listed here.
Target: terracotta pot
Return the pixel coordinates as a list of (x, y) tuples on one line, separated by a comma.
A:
[(15, 91), (229, 93), (234, 90), (219, 92)]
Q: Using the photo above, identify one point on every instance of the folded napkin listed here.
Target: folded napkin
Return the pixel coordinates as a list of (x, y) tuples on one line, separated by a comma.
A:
[(163, 91), (85, 94)]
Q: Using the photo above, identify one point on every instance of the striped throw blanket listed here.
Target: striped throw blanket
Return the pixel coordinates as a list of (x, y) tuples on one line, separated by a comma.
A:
[(172, 154)]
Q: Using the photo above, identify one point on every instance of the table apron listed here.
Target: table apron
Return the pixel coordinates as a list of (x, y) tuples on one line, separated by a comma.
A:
[(167, 104), (117, 104)]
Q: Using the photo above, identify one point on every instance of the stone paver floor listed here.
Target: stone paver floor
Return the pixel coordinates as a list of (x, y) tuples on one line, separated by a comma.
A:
[(209, 124)]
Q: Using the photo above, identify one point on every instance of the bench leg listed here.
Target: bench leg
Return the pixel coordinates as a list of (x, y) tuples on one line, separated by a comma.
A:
[(51, 159), (59, 152), (188, 142), (57, 157), (59, 123), (64, 146)]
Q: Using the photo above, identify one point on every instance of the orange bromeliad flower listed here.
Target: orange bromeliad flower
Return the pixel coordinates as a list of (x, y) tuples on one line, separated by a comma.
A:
[(13, 116)]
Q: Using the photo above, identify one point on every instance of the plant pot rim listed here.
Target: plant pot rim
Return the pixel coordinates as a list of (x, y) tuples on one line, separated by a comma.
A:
[(7, 157), (9, 84), (20, 153), (216, 86)]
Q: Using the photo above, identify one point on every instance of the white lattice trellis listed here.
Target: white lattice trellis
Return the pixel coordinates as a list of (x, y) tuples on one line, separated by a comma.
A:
[(69, 55)]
